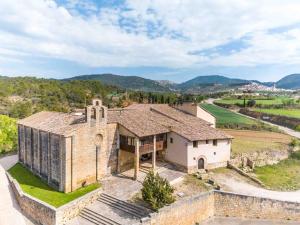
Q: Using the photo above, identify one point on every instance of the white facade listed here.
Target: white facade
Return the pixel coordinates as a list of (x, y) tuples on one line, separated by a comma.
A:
[(196, 110), (182, 152)]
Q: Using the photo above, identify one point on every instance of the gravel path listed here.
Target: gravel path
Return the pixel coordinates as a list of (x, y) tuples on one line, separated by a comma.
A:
[(236, 183), (10, 212)]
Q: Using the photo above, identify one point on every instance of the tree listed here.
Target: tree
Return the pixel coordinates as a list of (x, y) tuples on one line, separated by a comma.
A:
[(251, 103), (8, 134), (157, 191)]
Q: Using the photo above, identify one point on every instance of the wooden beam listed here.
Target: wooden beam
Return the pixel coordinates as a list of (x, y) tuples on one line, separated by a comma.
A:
[(137, 158), (154, 153)]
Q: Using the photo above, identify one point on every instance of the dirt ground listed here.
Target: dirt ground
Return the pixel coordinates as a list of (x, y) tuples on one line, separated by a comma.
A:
[(253, 141)]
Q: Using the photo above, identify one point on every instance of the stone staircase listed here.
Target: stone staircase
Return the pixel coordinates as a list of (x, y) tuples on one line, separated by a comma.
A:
[(96, 218), (113, 211), (131, 209)]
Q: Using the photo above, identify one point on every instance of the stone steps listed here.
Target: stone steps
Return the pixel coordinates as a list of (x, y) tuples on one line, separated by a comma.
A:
[(131, 209), (96, 218)]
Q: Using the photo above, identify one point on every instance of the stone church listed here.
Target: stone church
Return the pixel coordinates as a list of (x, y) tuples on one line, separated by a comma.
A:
[(71, 150)]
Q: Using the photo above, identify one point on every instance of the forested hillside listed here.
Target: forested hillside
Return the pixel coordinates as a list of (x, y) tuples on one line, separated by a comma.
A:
[(22, 96)]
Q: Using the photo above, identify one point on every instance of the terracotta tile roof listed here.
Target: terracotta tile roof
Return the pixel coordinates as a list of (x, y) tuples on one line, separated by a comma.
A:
[(149, 119), (54, 122), (140, 119)]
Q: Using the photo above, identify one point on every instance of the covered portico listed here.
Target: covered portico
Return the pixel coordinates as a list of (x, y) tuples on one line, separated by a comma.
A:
[(143, 145)]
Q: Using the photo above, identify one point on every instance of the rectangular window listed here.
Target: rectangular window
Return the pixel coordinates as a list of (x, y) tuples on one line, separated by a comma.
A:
[(228, 141), (215, 142), (195, 144), (171, 140), (207, 142)]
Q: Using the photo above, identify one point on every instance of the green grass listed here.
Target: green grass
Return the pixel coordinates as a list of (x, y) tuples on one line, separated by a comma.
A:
[(284, 176), (225, 116), (275, 101), (295, 113), (35, 187)]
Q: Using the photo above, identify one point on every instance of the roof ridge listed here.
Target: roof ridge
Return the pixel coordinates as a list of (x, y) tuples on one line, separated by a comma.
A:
[(164, 114)]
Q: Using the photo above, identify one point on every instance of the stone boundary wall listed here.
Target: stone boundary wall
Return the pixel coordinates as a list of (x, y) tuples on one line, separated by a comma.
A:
[(236, 205), (43, 213), (199, 208), (184, 212), (261, 158), (36, 210), (230, 166)]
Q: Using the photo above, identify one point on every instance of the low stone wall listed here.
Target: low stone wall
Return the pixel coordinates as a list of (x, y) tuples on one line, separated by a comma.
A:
[(73, 208), (245, 174), (43, 213), (185, 212), (36, 210), (261, 158), (244, 206)]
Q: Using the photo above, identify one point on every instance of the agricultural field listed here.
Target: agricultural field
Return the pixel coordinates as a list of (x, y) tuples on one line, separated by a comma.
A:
[(225, 116), (275, 101), (231, 120), (295, 113), (246, 141), (284, 176)]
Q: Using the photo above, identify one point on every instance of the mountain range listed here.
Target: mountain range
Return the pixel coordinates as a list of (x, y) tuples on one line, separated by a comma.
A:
[(209, 83)]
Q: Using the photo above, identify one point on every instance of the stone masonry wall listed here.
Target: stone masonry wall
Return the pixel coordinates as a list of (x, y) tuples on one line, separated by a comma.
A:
[(45, 214), (235, 205), (261, 158), (33, 208), (185, 212)]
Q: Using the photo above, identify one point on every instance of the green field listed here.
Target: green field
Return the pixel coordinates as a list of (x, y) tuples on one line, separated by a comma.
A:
[(284, 176), (281, 112), (275, 101), (35, 187), (225, 117)]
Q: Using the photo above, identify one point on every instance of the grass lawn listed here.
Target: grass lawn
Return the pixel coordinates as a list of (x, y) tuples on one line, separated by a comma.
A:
[(35, 187), (284, 176), (281, 112), (225, 116), (252, 141), (275, 101)]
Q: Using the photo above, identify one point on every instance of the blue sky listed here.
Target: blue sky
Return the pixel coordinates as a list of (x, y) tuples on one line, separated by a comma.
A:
[(158, 39)]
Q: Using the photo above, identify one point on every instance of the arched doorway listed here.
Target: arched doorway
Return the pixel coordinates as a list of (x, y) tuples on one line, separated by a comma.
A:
[(200, 163)]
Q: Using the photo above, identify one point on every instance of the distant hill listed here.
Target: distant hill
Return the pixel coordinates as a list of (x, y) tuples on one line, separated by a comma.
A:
[(200, 84), (126, 82), (289, 82), (212, 81)]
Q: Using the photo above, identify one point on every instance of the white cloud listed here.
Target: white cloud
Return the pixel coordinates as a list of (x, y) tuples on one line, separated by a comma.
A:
[(44, 29)]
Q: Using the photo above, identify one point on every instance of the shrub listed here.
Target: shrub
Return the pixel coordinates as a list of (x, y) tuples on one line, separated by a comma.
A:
[(251, 103), (157, 191), (8, 134), (295, 155), (295, 142), (297, 128)]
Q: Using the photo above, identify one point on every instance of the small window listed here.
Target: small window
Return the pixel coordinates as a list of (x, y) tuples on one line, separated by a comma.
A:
[(215, 153), (207, 142), (171, 140), (215, 142), (228, 141), (195, 144)]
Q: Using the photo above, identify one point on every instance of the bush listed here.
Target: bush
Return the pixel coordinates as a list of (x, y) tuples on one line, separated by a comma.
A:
[(8, 134), (295, 142), (251, 103), (157, 191), (297, 128), (295, 155)]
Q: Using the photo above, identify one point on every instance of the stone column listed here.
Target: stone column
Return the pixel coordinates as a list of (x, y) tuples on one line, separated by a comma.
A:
[(137, 158), (154, 153)]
